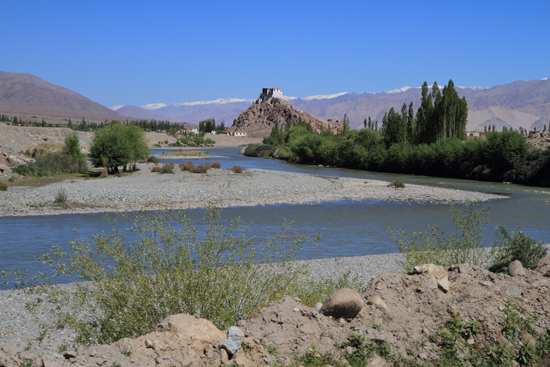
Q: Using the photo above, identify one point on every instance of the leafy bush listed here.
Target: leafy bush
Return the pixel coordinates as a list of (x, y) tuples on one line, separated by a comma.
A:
[(237, 169), (209, 141), (201, 168), (197, 139), (184, 141), (171, 269), (152, 159), (167, 168), (3, 186), (397, 184), (216, 165), (72, 149), (188, 166), (257, 150), (51, 164), (433, 247), (516, 246)]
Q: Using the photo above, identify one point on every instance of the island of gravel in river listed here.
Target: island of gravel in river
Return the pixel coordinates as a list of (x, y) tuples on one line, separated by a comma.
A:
[(145, 190)]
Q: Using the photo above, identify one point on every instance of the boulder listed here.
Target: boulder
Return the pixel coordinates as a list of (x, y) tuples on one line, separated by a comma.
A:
[(543, 266), (190, 327), (378, 302), (234, 340), (516, 269), (438, 275), (345, 303)]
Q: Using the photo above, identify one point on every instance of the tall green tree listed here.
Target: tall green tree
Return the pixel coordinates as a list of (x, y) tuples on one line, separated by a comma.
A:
[(394, 126), (117, 145)]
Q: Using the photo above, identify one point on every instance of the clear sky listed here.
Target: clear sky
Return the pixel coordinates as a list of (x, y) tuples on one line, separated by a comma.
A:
[(139, 52)]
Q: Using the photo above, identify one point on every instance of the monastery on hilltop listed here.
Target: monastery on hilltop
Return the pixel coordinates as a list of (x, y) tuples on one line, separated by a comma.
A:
[(269, 93)]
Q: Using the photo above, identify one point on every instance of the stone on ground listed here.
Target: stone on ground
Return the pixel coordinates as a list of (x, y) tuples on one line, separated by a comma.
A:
[(345, 303)]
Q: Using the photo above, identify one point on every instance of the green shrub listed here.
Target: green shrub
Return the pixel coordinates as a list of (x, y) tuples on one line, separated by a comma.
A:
[(197, 139), (516, 246), (184, 141), (3, 186), (216, 165), (152, 159), (433, 247), (171, 269), (237, 169), (188, 166), (201, 168), (167, 168), (397, 184), (72, 149), (209, 141), (51, 164), (258, 150)]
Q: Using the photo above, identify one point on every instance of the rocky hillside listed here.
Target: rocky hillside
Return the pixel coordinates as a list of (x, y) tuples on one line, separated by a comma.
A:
[(258, 120)]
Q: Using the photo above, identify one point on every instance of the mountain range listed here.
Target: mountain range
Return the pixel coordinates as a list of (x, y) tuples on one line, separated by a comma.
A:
[(524, 103)]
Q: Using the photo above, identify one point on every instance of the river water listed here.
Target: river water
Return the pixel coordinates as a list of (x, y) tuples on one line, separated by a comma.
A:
[(347, 228)]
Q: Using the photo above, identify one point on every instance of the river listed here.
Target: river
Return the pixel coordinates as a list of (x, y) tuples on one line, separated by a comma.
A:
[(347, 228)]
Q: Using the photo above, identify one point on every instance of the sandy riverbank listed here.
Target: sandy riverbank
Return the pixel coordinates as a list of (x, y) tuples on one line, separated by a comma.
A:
[(184, 190)]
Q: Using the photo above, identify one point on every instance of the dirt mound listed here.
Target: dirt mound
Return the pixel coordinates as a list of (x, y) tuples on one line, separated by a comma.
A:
[(405, 310), (258, 120)]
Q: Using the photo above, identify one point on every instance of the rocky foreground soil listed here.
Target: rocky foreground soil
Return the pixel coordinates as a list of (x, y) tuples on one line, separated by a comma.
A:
[(404, 312)]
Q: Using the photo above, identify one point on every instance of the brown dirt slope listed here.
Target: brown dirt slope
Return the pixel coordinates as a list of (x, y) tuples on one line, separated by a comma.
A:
[(258, 120)]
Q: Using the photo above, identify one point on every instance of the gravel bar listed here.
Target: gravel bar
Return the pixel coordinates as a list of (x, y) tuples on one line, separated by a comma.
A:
[(145, 190)]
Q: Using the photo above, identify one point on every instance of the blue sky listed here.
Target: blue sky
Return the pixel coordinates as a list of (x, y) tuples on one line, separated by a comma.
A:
[(139, 52)]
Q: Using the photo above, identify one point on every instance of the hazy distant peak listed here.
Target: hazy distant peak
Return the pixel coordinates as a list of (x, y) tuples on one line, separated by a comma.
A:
[(320, 96), (217, 101), (153, 106), (472, 87), (395, 91), (114, 108)]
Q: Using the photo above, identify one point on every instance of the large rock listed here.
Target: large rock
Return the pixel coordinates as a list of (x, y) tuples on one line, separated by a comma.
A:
[(543, 266), (190, 327), (516, 269), (344, 302), (438, 275)]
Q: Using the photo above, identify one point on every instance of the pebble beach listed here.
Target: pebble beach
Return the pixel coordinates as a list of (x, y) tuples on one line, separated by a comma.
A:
[(146, 190)]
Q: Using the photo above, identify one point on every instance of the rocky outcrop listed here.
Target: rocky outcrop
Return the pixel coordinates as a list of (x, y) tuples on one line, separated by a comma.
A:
[(258, 120)]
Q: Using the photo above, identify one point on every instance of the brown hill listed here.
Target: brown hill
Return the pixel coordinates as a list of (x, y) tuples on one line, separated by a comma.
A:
[(26, 89), (258, 120)]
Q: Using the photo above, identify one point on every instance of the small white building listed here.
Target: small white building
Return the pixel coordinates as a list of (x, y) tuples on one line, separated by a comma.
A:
[(269, 93)]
